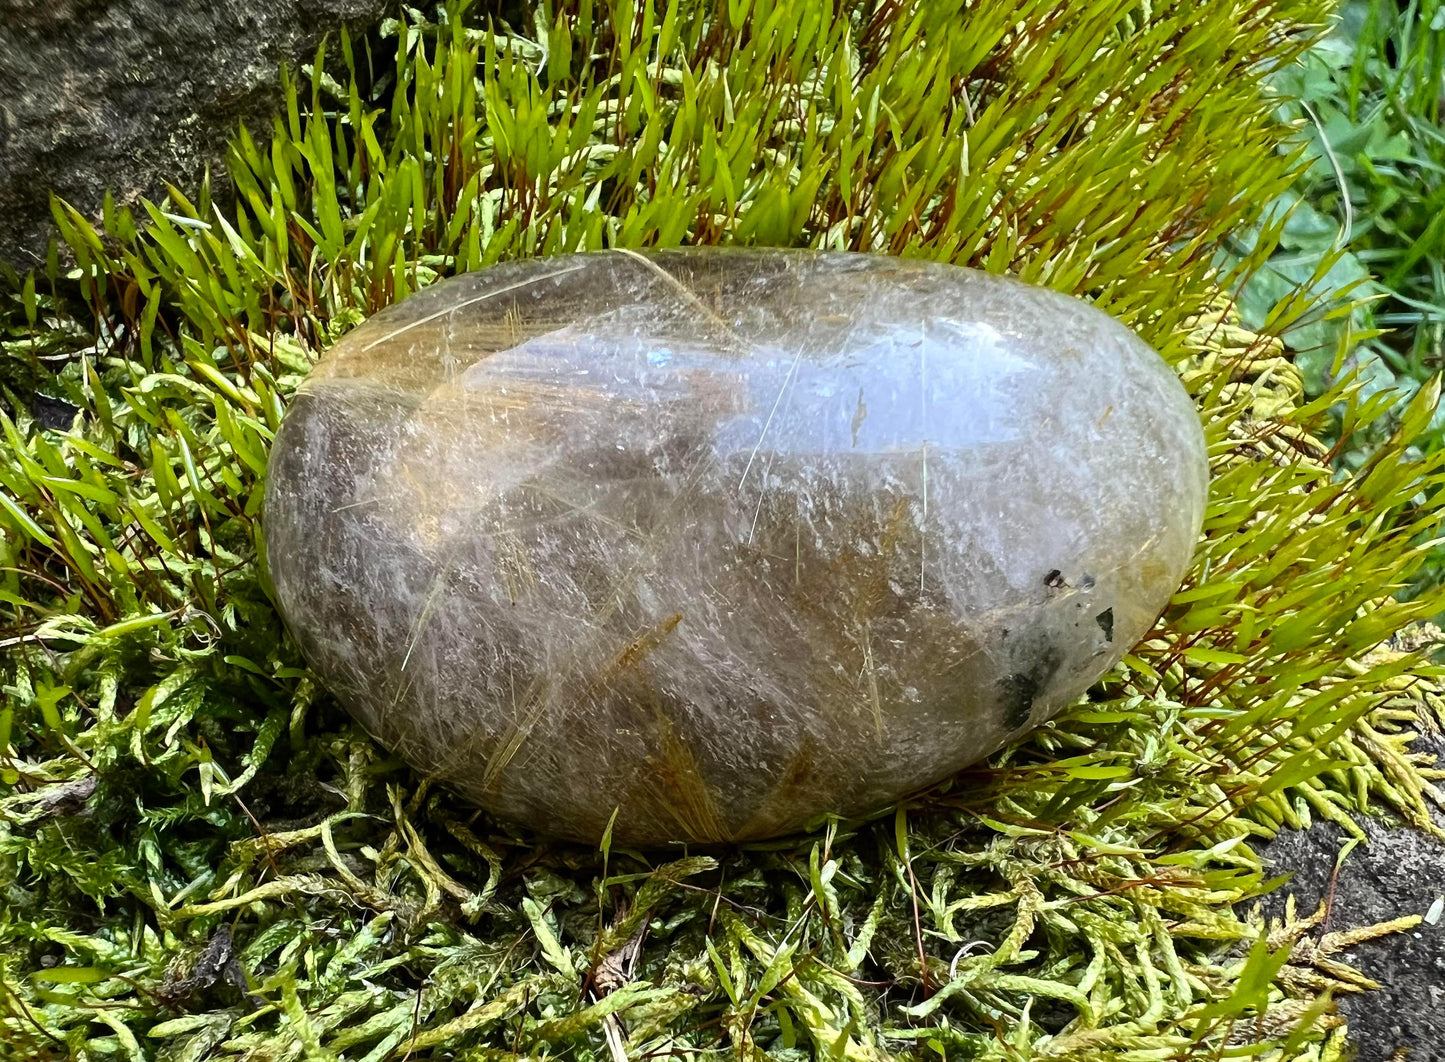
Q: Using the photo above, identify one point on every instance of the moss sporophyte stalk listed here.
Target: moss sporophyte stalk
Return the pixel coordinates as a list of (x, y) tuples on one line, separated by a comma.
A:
[(185, 809)]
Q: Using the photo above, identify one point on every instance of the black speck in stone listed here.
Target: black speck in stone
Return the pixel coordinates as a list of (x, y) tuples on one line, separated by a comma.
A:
[(1019, 689), (1055, 580), (1105, 620)]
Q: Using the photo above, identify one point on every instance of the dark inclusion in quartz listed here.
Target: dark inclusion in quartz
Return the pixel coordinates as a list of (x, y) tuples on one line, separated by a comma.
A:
[(725, 540)]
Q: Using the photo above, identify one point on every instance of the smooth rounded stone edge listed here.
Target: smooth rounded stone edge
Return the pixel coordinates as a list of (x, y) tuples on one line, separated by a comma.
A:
[(708, 537)]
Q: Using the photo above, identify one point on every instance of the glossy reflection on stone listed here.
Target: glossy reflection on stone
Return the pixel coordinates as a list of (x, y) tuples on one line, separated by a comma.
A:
[(725, 540)]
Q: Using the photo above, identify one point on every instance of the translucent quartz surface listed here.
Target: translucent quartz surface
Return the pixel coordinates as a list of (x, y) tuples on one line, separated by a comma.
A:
[(725, 539)]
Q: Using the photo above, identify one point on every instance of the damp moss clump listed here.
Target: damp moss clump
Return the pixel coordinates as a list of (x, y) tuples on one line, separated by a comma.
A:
[(202, 858)]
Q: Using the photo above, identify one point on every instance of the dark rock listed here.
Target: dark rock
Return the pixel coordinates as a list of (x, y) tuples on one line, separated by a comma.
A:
[(1401, 871), (127, 95)]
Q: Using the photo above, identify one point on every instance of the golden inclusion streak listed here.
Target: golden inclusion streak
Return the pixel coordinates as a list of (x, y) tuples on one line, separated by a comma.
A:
[(472, 302)]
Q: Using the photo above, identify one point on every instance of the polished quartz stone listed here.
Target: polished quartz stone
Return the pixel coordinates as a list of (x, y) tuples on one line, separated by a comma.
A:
[(725, 540)]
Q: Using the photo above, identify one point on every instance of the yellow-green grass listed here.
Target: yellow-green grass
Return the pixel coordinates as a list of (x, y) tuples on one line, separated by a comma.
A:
[(252, 878)]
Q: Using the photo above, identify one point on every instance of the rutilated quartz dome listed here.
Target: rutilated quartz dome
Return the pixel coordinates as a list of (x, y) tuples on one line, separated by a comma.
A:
[(722, 541)]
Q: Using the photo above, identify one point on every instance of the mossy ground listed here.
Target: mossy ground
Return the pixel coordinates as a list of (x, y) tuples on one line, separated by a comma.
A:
[(202, 858)]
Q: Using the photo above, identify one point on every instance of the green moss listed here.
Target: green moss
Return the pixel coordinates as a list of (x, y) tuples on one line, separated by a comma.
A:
[(252, 878)]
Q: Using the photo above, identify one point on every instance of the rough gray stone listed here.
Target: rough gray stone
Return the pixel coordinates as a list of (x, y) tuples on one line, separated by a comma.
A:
[(127, 95), (725, 539), (1401, 871)]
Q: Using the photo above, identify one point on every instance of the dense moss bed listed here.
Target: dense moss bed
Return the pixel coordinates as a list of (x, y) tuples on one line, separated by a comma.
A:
[(202, 858)]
